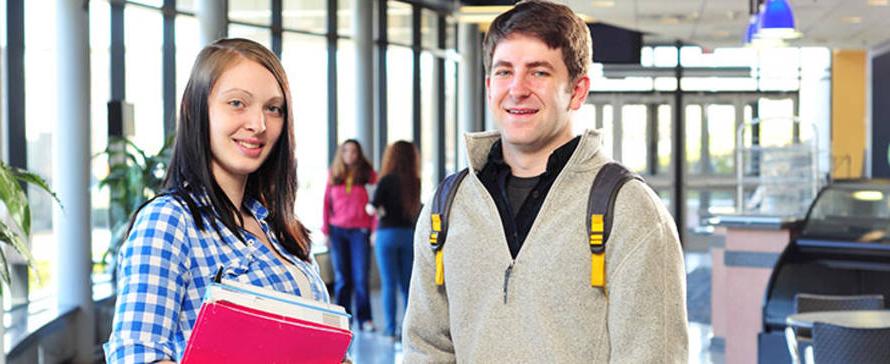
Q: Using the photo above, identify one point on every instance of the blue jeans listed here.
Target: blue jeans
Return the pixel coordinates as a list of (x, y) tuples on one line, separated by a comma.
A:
[(395, 255), (351, 258)]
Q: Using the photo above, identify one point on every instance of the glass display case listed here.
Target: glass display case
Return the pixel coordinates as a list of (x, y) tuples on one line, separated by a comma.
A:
[(854, 211)]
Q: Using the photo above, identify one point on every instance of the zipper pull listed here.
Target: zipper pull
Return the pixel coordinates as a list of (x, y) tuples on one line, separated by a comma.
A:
[(507, 280)]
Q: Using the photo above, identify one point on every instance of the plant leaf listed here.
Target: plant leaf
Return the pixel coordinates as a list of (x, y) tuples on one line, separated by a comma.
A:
[(12, 195), (35, 180)]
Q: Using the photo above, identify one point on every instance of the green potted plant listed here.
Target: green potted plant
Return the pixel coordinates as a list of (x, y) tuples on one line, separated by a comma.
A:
[(15, 225), (15, 222), (134, 177)]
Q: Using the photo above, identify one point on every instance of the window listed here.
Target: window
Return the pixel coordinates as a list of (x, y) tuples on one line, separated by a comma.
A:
[(303, 56), (346, 122), (260, 35), (100, 93), (143, 43), (257, 12), (428, 129), (305, 15), (41, 85), (398, 23), (399, 85), (187, 47)]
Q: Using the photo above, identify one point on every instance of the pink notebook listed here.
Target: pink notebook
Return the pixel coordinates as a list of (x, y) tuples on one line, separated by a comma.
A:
[(245, 324)]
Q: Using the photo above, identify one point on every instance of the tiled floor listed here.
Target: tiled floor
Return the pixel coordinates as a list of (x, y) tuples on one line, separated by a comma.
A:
[(372, 348)]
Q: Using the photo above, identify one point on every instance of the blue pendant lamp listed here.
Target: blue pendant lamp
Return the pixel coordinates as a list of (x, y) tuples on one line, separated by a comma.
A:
[(752, 29), (776, 21)]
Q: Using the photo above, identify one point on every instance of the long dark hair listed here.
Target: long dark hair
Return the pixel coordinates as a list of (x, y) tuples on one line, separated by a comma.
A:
[(402, 160), (361, 170), (273, 184)]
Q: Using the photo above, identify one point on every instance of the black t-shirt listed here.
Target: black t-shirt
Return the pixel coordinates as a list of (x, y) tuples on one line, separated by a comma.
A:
[(517, 205), (388, 195)]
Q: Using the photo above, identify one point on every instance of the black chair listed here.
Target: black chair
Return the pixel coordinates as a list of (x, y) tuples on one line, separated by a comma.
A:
[(838, 344), (805, 302), (799, 339)]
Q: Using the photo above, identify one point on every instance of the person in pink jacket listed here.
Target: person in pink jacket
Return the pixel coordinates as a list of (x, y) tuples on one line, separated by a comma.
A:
[(348, 227)]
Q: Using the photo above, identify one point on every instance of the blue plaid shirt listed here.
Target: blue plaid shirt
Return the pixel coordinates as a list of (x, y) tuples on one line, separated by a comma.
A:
[(167, 262)]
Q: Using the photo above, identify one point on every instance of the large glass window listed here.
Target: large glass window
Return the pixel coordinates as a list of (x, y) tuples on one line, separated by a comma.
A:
[(429, 22), (428, 130), (100, 93), (187, 47), (143, 43), (399, 85), (306, 15), (258, 34), (303, 56), (399, 22), (344, 17), (257, 12), (633, 137), (346, 123), (41, 85)]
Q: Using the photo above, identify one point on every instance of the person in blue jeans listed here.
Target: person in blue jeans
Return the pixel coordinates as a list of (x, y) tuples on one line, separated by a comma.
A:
[(397, 201), (348, 225)]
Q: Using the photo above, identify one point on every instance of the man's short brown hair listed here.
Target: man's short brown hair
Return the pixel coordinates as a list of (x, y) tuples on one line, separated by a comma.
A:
[(554, 24)]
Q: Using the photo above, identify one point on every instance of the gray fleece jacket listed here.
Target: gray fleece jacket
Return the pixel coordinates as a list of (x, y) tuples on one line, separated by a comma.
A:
[(551, 314)]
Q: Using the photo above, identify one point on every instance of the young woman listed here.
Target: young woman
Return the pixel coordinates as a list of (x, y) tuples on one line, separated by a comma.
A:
[(348, 227), (228, 205), (397, 200)]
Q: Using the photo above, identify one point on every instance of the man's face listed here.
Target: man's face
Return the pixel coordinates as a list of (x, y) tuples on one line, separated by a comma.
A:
[(530, 94)]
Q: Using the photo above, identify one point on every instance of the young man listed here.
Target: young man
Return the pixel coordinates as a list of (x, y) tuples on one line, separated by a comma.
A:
[(517, 265)]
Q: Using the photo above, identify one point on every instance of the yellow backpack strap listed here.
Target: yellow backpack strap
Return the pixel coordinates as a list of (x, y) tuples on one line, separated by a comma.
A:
[(439, 212), (600, 204)]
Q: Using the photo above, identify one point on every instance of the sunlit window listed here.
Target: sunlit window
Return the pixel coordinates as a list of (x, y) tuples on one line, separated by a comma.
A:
[(187, 47), (428, 130), (100, 94), (398, 22), (260, 35), (399, 93), (305, 15), (144, 55), (303, 57), (41, 112), (250, 11), (346, 91)]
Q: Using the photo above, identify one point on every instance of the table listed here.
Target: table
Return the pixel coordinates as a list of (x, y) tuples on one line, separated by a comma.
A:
[(860, 319)]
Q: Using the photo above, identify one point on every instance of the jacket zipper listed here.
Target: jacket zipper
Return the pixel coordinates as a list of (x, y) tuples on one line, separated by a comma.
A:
[(507, 279)]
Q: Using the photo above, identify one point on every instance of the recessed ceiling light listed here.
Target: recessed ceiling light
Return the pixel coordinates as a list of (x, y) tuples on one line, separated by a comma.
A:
[(851, 19), (877, 2), (603, 3)]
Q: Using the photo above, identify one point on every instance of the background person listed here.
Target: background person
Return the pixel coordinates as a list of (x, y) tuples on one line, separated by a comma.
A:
[(348, 226), (397, 201)]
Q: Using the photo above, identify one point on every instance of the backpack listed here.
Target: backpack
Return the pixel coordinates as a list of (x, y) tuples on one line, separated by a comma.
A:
[(600, 201)]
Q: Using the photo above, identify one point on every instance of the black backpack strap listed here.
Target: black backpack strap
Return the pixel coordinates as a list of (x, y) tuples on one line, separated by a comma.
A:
[(439, 211), (600, 204)]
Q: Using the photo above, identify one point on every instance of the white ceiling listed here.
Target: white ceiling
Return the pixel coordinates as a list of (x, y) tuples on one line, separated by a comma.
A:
[(714, 23)]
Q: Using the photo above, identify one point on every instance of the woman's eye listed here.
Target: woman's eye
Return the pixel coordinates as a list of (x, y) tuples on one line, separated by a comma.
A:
[(277, 110), (236, 103), (541, 74)]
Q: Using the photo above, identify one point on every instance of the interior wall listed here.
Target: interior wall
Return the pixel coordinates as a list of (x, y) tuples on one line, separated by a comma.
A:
[(848, 109)]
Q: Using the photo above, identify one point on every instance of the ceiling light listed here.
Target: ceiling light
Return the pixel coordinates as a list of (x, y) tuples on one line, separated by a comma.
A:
[(877, 2), (851, 19)]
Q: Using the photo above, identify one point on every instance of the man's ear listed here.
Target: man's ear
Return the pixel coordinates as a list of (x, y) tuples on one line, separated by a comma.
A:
[(579, 92)]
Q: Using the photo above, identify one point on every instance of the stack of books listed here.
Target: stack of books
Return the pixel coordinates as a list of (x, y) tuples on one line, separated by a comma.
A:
[(240, 323)]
